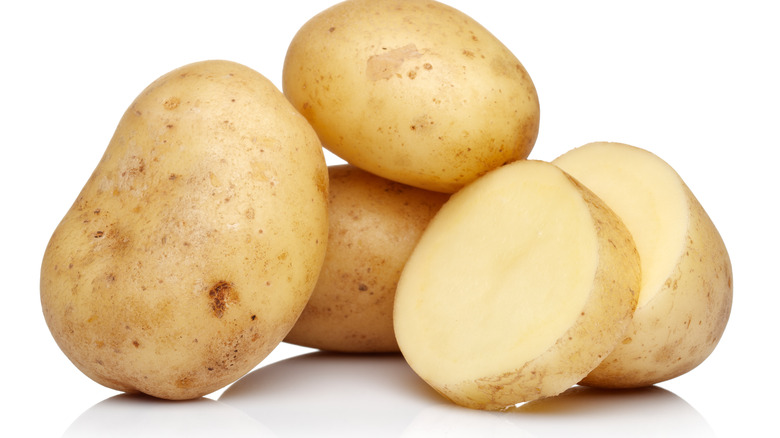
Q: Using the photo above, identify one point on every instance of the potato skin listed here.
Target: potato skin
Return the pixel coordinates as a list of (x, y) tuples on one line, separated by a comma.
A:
[(196, 242), (687, 288), (374, 225), (681, 326), (412, 90)]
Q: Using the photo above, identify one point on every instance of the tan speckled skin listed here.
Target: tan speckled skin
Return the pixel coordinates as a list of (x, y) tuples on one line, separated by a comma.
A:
[(680, 327), (374, 225), (195, 244), (412, 90)]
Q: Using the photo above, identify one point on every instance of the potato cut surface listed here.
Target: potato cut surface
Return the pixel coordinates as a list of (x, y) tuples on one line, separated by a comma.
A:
[(686, 294), (522, 282), (647, 195)]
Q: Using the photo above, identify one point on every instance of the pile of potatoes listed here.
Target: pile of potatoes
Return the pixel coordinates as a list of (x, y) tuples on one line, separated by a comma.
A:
[(212, 229)]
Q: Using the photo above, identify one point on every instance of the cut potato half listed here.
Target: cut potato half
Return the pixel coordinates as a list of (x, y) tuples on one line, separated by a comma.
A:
[(521, 284), (685, 298)]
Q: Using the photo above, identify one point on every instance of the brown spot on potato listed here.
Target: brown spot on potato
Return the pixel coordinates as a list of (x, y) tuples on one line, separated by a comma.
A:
[(222, 295), (664, 354), (422, 122), (184, 382), (386, 65), (321, 181), (135, 166), (171, 103)]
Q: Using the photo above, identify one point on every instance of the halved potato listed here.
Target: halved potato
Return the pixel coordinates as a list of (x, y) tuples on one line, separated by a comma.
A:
[(685, 298), (521, 284)]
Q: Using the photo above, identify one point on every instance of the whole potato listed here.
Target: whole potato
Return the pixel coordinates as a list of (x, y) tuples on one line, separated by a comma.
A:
[(374, 226), (411, 90), (196, 242)]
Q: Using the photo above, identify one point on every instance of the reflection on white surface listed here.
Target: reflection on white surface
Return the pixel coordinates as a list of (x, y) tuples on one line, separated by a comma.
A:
[(580, 411), (142, 416), (322, 394)]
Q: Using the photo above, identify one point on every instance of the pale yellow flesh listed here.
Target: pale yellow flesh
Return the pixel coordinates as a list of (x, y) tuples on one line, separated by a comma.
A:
[(501, 275), (686, 294), (646, 194)]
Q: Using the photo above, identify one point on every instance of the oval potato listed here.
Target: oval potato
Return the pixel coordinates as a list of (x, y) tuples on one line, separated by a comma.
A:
[(412, 90), (196, 242), (374, 226)]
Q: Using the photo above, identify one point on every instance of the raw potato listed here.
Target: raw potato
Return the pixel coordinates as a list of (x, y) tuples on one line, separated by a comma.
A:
[(195, 244), (411, 90), (521, 284), (374, 225), (686, 293)]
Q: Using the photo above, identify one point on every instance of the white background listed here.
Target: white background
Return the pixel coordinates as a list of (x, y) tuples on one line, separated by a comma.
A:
[(696, 82)]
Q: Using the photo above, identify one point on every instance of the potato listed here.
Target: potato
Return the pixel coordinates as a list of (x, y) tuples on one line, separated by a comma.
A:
[(374, 225), (686, 293), (521, 284), (411, 90), (196, 242)]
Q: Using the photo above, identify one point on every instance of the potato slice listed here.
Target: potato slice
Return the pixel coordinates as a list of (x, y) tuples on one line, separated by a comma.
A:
[(685, 298), (521, 284)]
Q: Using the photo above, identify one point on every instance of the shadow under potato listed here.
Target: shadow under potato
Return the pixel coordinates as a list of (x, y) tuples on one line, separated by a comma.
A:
[(134, 415), (378, 395), (333, 394)]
